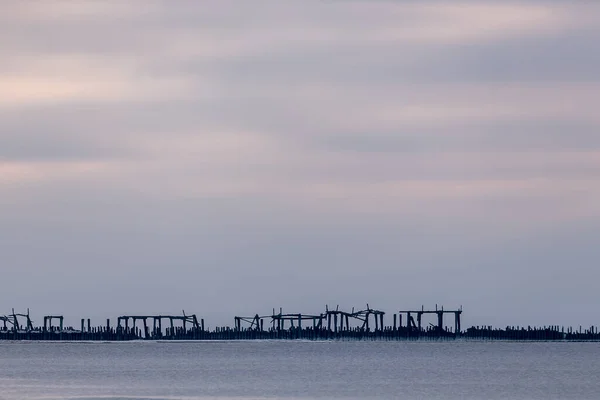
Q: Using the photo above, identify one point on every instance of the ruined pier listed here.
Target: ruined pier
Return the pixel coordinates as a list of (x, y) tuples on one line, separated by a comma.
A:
[(331, 324)]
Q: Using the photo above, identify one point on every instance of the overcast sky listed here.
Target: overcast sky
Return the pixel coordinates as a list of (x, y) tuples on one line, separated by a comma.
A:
[(228, 157)]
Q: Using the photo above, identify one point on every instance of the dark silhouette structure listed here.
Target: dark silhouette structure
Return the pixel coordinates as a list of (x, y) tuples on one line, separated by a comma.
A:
[(332, 324), (157, 332), (410, 321)]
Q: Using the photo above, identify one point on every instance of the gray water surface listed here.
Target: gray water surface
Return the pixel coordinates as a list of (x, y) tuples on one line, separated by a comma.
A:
[(299, 370)]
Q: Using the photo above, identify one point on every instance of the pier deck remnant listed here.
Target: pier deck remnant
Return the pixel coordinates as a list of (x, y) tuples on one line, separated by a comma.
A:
[(48, 321), (410, 321), (157, 331)]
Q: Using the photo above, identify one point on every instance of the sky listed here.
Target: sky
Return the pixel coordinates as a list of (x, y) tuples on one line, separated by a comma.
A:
[(225, 158)]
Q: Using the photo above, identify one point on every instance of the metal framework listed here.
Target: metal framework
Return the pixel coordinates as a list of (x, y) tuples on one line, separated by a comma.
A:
[(410, 321), (48, 321), (363, 316), (255, 323), (278, 320), (13, 320), (337, 320), (157, 322)]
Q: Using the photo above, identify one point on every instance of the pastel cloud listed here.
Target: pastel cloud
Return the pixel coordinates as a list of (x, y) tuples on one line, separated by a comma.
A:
[(295, 124)]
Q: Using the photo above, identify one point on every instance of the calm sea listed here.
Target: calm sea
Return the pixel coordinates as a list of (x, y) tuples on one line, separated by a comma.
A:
[(300, 370)]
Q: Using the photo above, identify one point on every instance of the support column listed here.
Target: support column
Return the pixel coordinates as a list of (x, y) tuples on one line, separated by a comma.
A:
[(145, 328), (457, 322)]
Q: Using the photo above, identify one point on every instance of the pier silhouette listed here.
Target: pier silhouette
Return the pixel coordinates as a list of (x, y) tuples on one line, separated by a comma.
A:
[(331, 324)]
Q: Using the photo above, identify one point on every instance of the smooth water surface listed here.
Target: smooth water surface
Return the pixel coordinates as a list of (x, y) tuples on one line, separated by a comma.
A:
[(299, 370)]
